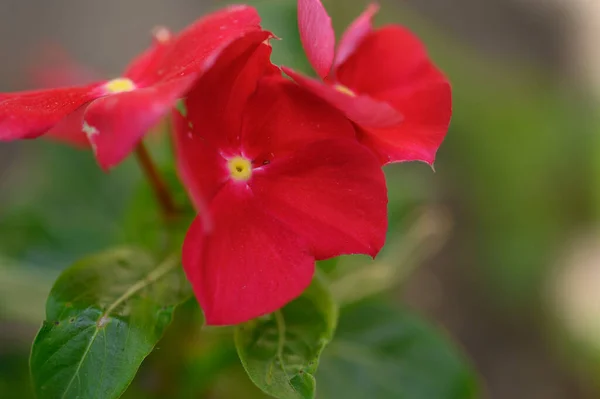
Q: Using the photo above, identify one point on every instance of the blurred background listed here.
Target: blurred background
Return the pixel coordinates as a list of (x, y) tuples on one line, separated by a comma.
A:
[(500, 246)]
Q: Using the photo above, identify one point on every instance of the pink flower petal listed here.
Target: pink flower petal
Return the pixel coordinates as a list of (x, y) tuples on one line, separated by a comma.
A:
[(355, 33), (116, 123), (249, 265), (282, 117), (331, 192), (32, 113), (360, 108), (317, 35)]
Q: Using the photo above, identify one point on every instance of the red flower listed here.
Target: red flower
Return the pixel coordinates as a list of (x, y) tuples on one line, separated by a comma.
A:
[(381, 79), (116, 114), (283, 180)]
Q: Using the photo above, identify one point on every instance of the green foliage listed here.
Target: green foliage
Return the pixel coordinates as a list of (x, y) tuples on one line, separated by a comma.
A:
[(103, 317), (64, 208), (14, 379), (384, 353), (280, 17), (280, 352), (518, 136), (144, 223)]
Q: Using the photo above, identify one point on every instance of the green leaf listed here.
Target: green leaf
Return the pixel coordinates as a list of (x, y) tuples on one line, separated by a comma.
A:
[(385, 353), (103, 317), (280, 352)]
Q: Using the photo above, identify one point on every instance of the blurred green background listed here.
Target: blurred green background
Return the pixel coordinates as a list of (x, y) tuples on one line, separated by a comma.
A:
[(499, 247)]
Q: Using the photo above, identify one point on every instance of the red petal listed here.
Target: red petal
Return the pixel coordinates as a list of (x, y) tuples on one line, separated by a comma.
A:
[(250, 265), (216, 103), (361, 109), (427, 112), (387, 59), (201, 168), (143, 68), (32, 113), (355, 33), (117, 122), (282, 117), (407, 80), (317, 35), (331, 192), (196, 48), (69, 130)]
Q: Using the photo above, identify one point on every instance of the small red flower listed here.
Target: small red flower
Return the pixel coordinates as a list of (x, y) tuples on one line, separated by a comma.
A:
[(116, 114), (283, 180), (381, 79)]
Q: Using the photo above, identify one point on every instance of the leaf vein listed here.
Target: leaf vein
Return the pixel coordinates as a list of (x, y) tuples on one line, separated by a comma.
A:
[(152, 277)]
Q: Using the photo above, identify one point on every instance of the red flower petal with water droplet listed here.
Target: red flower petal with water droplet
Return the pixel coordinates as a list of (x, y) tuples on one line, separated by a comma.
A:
[(32, 113)]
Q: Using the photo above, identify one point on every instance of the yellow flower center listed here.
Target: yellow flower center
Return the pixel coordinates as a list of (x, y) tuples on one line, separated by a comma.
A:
[(119, 85), (344, 90), (240, 168)]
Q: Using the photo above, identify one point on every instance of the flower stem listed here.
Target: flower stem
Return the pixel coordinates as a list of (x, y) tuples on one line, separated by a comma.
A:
[(158, 184)]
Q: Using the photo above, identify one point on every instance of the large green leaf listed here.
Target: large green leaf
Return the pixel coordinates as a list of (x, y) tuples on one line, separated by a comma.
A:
[(384, 353), (103, 317), (280, 352)]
